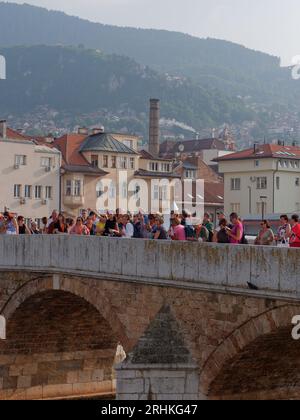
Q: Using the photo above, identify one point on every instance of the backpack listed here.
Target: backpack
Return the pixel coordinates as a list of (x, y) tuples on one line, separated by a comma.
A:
[(137, 230), (190, 233)]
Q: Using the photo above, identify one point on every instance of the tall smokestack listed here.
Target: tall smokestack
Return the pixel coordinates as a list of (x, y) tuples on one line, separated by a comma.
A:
[(3, 129), (154, 133)]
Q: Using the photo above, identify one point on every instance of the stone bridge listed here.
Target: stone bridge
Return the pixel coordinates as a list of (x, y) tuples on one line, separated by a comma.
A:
[(182, 313)]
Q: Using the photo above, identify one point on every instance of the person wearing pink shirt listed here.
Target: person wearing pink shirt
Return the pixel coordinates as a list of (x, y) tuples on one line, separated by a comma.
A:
[(79, 228), (177, 231), (236, 233), (295, 233)]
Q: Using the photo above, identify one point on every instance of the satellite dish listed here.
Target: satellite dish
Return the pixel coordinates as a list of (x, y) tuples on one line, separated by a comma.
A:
[(181, 148)]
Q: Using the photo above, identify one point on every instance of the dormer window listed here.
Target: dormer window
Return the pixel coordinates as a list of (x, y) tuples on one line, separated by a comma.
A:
[(128, 143), (190, 174), (165, 167), (153, 166)]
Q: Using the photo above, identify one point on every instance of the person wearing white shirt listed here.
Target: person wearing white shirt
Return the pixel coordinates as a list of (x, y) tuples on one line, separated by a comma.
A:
[(128, 229)]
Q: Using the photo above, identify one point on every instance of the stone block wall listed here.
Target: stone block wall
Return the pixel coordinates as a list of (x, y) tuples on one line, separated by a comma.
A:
[(157, 382), (56, 375)]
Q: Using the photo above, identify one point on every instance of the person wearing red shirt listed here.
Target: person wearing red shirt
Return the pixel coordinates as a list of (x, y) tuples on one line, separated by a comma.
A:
[(295, 233)]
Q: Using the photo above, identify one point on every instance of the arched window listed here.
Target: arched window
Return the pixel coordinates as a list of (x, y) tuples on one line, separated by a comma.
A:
[(137, 190)]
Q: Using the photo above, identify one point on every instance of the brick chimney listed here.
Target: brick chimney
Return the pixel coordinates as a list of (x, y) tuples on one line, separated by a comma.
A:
[(3, 129), (154, 133), (83, 130)]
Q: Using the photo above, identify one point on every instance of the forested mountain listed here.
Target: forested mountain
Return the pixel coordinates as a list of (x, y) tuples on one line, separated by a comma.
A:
[(77, 80), (213, 63), (73, 65)]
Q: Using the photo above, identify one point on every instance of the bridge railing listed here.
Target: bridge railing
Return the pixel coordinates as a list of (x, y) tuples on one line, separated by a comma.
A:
[(275, 271)]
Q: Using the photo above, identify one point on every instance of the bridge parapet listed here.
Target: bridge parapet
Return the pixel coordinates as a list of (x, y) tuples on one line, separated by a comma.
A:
[(216, 267)]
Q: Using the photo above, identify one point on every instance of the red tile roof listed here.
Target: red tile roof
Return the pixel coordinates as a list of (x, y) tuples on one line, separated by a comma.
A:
[(214, 193), (69, 145), (15, 135), (264, 151)]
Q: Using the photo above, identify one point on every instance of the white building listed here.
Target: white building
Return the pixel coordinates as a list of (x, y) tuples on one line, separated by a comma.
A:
[(262, 181), (29, 175)]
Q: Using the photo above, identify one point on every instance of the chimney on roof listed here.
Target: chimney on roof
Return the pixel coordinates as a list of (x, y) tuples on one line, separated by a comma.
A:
[(3, 129), (154, 132), (255, 147), (98, 130), (83, 130)]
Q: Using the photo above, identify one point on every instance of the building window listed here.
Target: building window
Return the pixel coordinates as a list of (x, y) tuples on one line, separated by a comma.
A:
[(153, 166), (165, 167), (99, 189), (77, 188), (261, 183), (278, 183), (17, 190), (68, 188), (38, 192), (235, 184), (105, 161), (114, 162), (155, 192), (164, 192), (48, 193), (20, 160), (297, 182), (137, 190), (235, 208), (128, 143), (95, 161), (112, 191), (256, 163), (46, 162), (124, 189), (132, 163), (27, 192), (123, 163), (190, 174)]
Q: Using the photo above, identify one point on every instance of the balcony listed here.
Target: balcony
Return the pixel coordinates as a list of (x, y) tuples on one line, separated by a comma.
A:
[(73, 201)]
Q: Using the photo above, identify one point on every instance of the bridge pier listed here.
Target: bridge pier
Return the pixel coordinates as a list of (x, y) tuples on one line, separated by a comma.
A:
[(160, 367)]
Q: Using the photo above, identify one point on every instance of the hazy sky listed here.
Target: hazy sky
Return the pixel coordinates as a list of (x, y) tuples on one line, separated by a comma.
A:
[(267, 25)]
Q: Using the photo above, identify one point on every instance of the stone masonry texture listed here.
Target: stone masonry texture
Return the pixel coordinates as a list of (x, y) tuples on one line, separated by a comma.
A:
[(65, 319)]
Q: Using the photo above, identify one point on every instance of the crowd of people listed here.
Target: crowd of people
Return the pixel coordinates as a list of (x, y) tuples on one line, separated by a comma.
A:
[(180, 227)]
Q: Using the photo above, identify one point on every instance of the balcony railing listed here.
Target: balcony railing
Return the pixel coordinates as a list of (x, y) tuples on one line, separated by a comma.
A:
[(73, 201)]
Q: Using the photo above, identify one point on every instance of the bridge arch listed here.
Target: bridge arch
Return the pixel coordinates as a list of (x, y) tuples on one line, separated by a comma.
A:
[(256, 340), (75, 286), (62, 340)]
